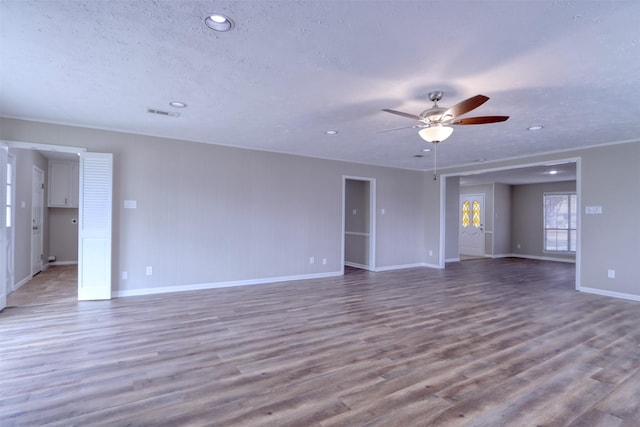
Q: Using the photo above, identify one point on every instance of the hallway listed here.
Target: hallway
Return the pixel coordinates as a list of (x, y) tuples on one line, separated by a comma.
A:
[(54, 285)]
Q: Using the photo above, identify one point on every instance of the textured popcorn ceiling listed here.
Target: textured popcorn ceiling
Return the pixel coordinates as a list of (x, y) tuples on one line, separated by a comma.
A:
[(290, 70)]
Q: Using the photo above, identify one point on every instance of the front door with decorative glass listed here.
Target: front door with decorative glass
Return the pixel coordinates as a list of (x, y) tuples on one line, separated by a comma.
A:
[(472, 224)]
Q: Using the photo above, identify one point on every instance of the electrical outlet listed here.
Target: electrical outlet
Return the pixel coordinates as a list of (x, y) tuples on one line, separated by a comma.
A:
[(149, 271), (324, 261), (430, 252), (611, 274), (311, 260), (125, 275)]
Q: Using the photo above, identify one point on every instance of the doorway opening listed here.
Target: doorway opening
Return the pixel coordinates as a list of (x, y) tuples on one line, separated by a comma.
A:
[(36, 242), (358, 225), (471, 226), (513, 202)]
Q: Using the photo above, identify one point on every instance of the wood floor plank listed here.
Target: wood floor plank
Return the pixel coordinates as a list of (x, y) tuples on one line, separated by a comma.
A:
[(501, 342)]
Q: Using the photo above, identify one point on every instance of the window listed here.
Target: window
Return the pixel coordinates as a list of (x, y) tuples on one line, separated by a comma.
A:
[(560, 222), (471, 216), (465, 214)]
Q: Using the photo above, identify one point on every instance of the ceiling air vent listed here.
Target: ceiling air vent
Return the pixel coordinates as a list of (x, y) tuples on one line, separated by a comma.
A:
[(162, 113)]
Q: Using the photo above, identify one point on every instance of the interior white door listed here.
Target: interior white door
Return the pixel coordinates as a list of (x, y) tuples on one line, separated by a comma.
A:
[(472, 224), (94, 232), (3, 228), (37, 219)]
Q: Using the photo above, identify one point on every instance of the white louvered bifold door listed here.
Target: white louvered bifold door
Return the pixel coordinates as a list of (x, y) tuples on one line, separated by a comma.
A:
[(94, 233)]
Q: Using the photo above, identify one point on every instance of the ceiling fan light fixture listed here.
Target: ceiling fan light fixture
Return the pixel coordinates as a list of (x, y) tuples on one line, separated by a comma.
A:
[(435, 133)]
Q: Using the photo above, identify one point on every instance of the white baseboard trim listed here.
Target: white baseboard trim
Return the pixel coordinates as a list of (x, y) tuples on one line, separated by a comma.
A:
[(19, 284), (63, 263), (436, 266), (24, 281), (452, 259), (609, 293), (541, 258), (403, 266), (202, 286), (356, 265)]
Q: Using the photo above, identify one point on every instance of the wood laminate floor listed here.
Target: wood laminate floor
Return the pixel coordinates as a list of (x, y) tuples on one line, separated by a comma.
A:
[(485, 342), (56, 284)]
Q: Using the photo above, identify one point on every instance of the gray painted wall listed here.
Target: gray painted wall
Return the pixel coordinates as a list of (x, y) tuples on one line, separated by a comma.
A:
[(611, 179), (501, 219), (63, 234), (208, 213), (452, 213), (527, 228)]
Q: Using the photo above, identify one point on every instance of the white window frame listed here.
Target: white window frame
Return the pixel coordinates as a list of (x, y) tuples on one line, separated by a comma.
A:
[(570, 242)]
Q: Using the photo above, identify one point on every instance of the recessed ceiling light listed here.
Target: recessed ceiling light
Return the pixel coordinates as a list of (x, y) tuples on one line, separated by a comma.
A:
[(177, 104), (331, 132), (218, 22), (553, 172), (536, 127), (426, 150)]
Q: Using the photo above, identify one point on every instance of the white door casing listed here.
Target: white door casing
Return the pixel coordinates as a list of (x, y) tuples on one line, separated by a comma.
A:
[(371, 232), (94, 228), (10, 222), (3, 227), (37, 219), (471, 224)]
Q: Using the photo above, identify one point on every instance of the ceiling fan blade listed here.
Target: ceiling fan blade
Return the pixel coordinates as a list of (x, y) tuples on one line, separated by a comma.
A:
[(400, 113), (479, 120), (405, 127), (466, 106)]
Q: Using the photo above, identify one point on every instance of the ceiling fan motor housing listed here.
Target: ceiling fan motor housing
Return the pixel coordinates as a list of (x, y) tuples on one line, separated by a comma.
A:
[(433, 115)]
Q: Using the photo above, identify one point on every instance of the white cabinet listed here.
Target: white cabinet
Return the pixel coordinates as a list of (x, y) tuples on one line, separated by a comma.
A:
[(63, 184)]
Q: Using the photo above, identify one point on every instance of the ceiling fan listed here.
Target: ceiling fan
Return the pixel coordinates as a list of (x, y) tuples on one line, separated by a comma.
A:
[(436, 121)]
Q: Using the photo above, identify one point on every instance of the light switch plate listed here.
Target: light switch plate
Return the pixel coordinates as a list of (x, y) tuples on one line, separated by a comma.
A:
[(593, 210)]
